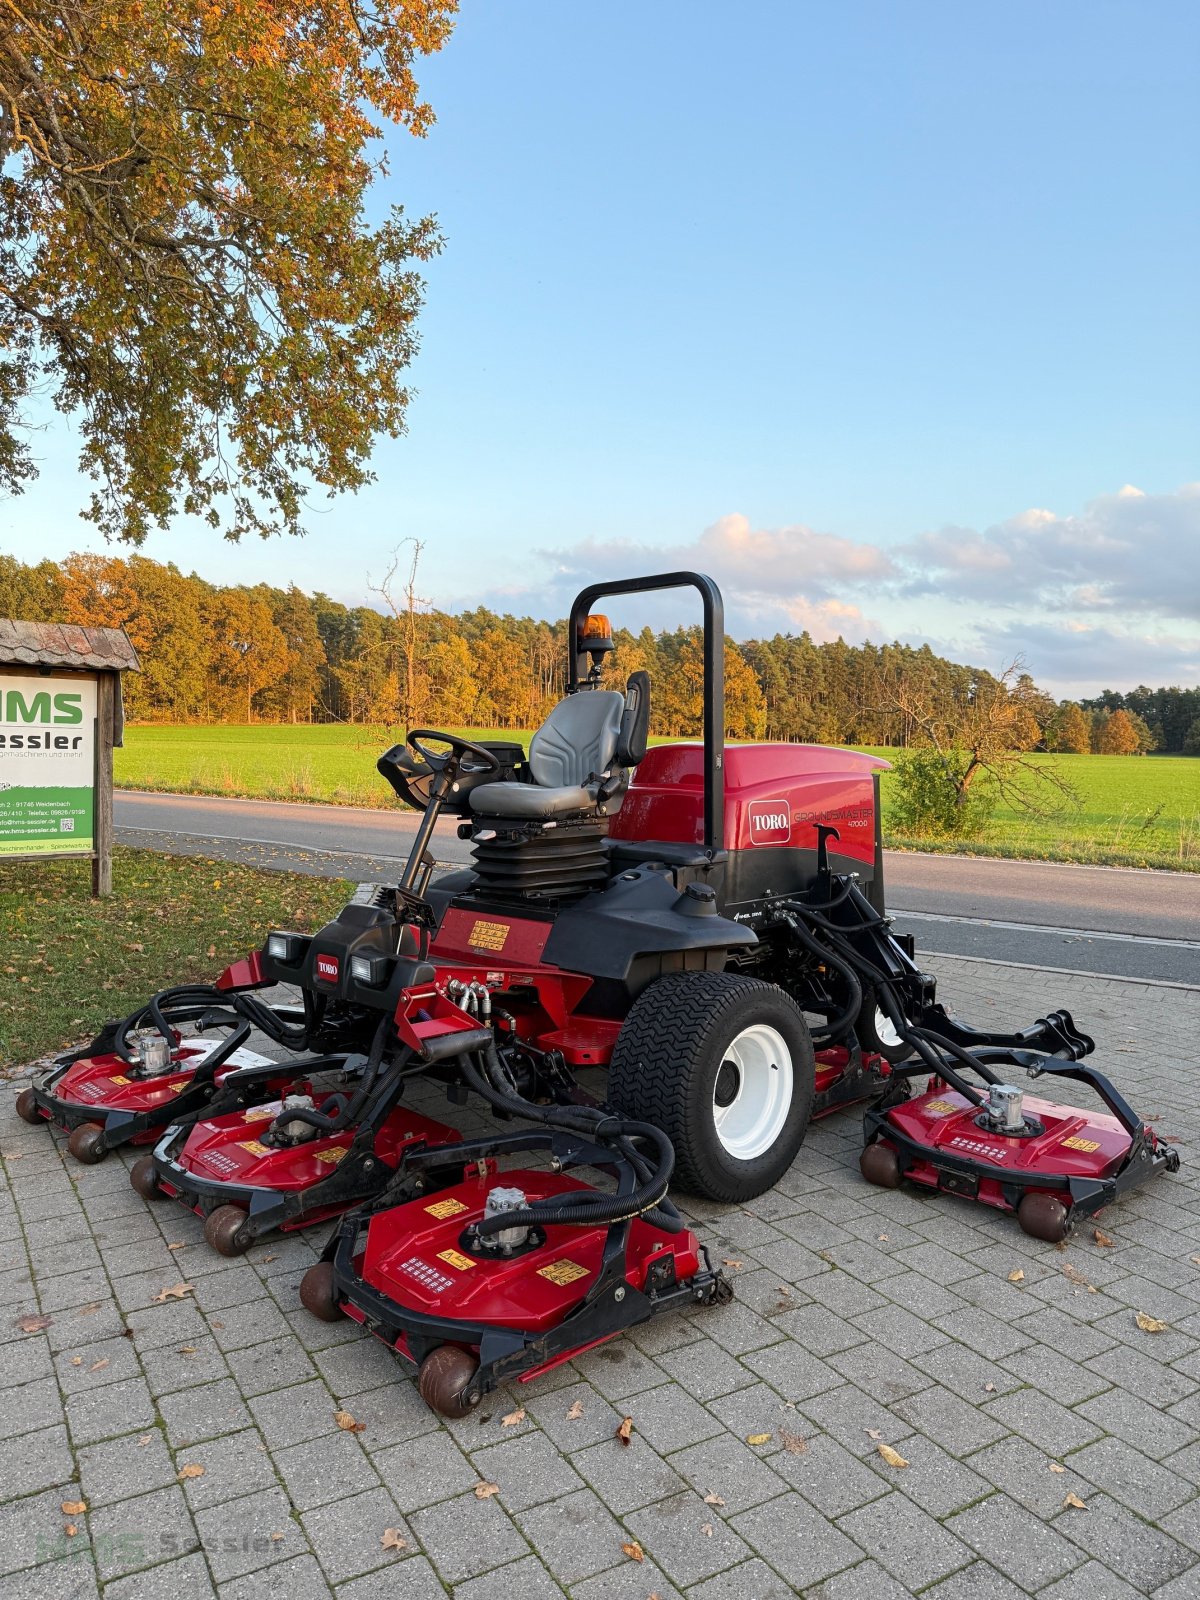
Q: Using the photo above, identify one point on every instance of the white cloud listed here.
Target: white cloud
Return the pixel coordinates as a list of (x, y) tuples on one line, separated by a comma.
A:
[(1132, 552), (1107, 596)]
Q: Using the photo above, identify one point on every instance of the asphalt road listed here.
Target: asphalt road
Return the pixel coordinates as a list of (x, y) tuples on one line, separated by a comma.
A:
[(1115, 921)]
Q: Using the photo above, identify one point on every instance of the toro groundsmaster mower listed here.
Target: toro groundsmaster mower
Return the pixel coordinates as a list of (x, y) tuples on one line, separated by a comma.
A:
[(706, 926)]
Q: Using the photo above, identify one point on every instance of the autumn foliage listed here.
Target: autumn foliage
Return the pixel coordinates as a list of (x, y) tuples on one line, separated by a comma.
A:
[(185, 260)]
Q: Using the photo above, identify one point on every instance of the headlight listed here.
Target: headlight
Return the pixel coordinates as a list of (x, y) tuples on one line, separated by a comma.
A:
[(286, 947), (371, 970)]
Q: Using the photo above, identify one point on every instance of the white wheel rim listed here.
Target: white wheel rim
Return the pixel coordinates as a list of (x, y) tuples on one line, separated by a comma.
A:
[(885, 1030), (752, 1120)]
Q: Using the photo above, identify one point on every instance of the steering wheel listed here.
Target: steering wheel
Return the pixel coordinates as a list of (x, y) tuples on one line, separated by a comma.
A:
[(481, 760)]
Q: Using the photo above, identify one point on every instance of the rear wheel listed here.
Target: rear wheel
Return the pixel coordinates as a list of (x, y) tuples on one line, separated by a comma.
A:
[(724, 1066), (87, 1144), (442, 1377), (143, 1175), (27, 1107), (226, 1232), (318, 1293)]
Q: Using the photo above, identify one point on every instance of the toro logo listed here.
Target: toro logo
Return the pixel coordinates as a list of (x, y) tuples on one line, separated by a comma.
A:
[(328, 968), (770, 822)]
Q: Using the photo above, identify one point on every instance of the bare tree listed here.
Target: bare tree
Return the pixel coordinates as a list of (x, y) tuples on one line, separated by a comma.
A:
[(405, 605)]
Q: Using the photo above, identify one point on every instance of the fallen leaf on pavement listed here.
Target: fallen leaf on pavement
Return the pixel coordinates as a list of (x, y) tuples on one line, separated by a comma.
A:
[(276, 1537), (485, 1491), (874, 1433), (33, 1323), (70, 1530), (179, 1246), (706, 1528), (989, 1388), (347, 1423), (514, 1418), (793, 1443), (576, 1411), (892, 1457), (98, 1366), (76, 1361), (1016, 1276), (74, 1508), (393, 1540), (1056, 1467), (1075, 1503), (634, 1551), (713, 1500), (192, 1470), (175, 1292), (758, 1438), (187, 1349), (734, 1266), (625, 1431), (1150, 1324), (144, 1441), (1103, 1240)]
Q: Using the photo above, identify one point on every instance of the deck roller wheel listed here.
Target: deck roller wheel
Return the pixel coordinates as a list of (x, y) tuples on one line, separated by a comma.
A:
[(444, 1374), (27, 1107), (318, 1293), (87, 1144), (143, 1175), (879, 1165), (226, 1232), (1043, 1216)]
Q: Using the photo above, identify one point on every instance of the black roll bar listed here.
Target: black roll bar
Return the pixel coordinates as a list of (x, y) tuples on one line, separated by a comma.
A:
[(714, 675)]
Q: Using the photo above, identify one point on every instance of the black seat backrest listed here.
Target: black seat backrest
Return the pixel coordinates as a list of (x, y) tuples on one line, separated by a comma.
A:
[(635, 720)]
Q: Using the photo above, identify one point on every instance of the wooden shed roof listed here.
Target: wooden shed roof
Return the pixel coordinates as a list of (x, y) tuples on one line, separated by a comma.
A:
[(64, 644)]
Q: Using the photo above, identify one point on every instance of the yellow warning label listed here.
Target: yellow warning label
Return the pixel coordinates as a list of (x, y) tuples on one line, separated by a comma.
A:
[(489, 935), (255, 1146), (943, 1108), (561, 1272), (455, 1258), (445, 1208), (178, 1088), (333, 1155), (1086, 1145), (122, 1081)]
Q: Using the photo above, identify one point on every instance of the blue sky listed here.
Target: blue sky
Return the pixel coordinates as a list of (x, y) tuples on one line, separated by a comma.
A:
[(874, 309)]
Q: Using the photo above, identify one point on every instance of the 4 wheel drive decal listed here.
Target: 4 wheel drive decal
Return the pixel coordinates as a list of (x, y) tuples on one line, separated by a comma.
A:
[(770, 822)]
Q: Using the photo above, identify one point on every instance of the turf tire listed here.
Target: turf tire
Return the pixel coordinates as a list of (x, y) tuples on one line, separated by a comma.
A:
[(664, 1070)]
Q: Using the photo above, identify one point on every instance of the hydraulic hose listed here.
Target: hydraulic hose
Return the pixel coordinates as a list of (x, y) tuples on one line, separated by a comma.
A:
[(648, 1198), (349, 1106), (844, 1019)]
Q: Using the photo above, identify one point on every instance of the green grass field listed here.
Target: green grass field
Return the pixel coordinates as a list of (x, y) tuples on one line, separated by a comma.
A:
[(1131, 811)]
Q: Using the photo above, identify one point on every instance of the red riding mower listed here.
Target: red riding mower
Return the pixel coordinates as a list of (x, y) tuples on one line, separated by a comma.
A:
[(706, 925)]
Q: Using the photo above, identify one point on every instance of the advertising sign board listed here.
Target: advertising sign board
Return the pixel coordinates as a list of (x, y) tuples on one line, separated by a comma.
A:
[(47, 764)]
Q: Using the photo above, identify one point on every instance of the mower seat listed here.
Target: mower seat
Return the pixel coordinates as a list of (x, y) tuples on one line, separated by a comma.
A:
[(578, 758)]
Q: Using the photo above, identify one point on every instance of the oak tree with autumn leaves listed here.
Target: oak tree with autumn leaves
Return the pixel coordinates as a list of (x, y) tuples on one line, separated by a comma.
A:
[(186, 264)]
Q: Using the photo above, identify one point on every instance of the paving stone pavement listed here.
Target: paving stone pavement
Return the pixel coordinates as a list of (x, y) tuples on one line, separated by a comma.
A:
[(862, 1317)]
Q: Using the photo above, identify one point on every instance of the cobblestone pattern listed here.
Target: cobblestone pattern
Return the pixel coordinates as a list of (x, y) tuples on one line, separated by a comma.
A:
[(863, 1317)]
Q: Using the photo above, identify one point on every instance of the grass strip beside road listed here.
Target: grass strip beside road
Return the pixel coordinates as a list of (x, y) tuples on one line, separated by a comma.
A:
[(69, 962)]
